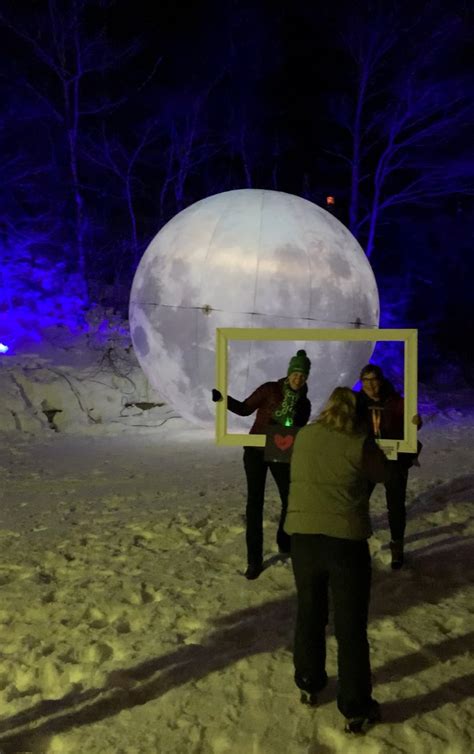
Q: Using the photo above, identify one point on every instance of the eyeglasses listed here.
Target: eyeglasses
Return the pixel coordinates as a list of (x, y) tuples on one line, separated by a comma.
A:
[(370, 379)]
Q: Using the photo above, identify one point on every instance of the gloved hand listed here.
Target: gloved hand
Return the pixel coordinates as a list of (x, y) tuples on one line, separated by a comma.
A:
[(216, 395)]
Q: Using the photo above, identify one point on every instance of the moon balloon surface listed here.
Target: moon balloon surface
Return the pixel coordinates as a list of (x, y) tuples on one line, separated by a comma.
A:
[(248, 258)]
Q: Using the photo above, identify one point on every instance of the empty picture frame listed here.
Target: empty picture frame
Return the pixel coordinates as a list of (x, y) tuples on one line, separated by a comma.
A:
[(409, 337)]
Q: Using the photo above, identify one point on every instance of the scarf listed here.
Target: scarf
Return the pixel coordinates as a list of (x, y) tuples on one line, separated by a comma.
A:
[(285, 412)]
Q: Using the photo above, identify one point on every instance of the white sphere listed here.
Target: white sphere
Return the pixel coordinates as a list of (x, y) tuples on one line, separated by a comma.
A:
[(248, 258)]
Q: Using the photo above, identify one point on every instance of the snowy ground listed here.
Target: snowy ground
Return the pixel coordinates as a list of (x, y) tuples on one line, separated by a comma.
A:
[(127, 627)]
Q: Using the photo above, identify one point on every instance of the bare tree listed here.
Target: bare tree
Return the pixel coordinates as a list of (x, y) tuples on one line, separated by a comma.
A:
[(68, 54), (187, 141), (111, 154), (403, 119)]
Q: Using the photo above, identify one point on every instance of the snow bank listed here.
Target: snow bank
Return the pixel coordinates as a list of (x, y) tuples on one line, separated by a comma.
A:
[(87, 380)]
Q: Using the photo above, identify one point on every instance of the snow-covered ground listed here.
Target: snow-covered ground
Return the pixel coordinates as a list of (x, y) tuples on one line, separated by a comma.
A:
[(126, 625)]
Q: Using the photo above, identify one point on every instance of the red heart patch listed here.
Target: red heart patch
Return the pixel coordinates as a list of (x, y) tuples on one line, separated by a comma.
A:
[(283, 442)]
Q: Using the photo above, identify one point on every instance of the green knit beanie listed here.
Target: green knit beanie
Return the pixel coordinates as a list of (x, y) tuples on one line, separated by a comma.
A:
[(299, 363)]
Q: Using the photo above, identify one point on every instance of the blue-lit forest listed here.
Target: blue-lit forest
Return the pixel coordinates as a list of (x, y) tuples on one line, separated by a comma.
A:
[(116, 116)]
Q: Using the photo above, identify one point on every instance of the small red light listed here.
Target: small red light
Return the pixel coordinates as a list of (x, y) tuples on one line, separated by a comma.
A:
[(330, 200)]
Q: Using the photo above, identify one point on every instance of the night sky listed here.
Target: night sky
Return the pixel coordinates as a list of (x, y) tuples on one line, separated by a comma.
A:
[(117, 115)]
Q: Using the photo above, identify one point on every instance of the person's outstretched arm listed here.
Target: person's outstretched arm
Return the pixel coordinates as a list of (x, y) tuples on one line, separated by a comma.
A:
[(242, 408)]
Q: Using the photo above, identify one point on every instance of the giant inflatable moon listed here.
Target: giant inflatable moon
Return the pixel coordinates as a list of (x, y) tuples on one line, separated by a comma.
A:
[(248, 258)]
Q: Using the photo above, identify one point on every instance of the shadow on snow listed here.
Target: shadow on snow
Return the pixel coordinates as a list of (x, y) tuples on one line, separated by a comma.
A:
[(268, 628)]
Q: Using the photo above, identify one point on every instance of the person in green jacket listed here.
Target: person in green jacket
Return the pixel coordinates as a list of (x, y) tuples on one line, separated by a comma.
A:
[(329, 523)]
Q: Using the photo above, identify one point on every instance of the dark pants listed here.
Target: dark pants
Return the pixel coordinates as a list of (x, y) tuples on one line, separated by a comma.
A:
[(256, 472), (395, 494), (343, 566)]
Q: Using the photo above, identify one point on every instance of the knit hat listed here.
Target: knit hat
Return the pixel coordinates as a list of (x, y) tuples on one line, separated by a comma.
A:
[(299, 363)]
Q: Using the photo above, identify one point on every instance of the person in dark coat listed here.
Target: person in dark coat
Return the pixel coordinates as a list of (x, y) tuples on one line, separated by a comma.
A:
[(282, 402), (381, 407), (328, 520)]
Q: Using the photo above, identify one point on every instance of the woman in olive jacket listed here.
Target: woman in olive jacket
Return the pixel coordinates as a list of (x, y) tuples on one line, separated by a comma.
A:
[(328, 520)]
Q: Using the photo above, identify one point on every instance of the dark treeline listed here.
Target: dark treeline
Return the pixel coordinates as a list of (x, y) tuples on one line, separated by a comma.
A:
[(116, 115)]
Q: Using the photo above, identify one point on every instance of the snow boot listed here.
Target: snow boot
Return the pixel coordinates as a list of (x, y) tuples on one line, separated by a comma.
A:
[(310, 698), (253, 571), (310, 689), (360, 725), (396, 548)]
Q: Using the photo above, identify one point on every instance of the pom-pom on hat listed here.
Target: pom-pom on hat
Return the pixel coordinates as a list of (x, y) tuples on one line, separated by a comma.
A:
[(299, 363)]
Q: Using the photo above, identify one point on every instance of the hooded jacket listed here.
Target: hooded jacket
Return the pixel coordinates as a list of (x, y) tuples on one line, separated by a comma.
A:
[(392, 407), (391, 404)]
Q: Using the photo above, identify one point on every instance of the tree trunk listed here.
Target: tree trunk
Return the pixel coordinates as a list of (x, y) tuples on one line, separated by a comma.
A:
[(356, 148), (133, 221)]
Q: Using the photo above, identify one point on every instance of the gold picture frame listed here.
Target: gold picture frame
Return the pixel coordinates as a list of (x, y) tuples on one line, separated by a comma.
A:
[(409, 337)]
